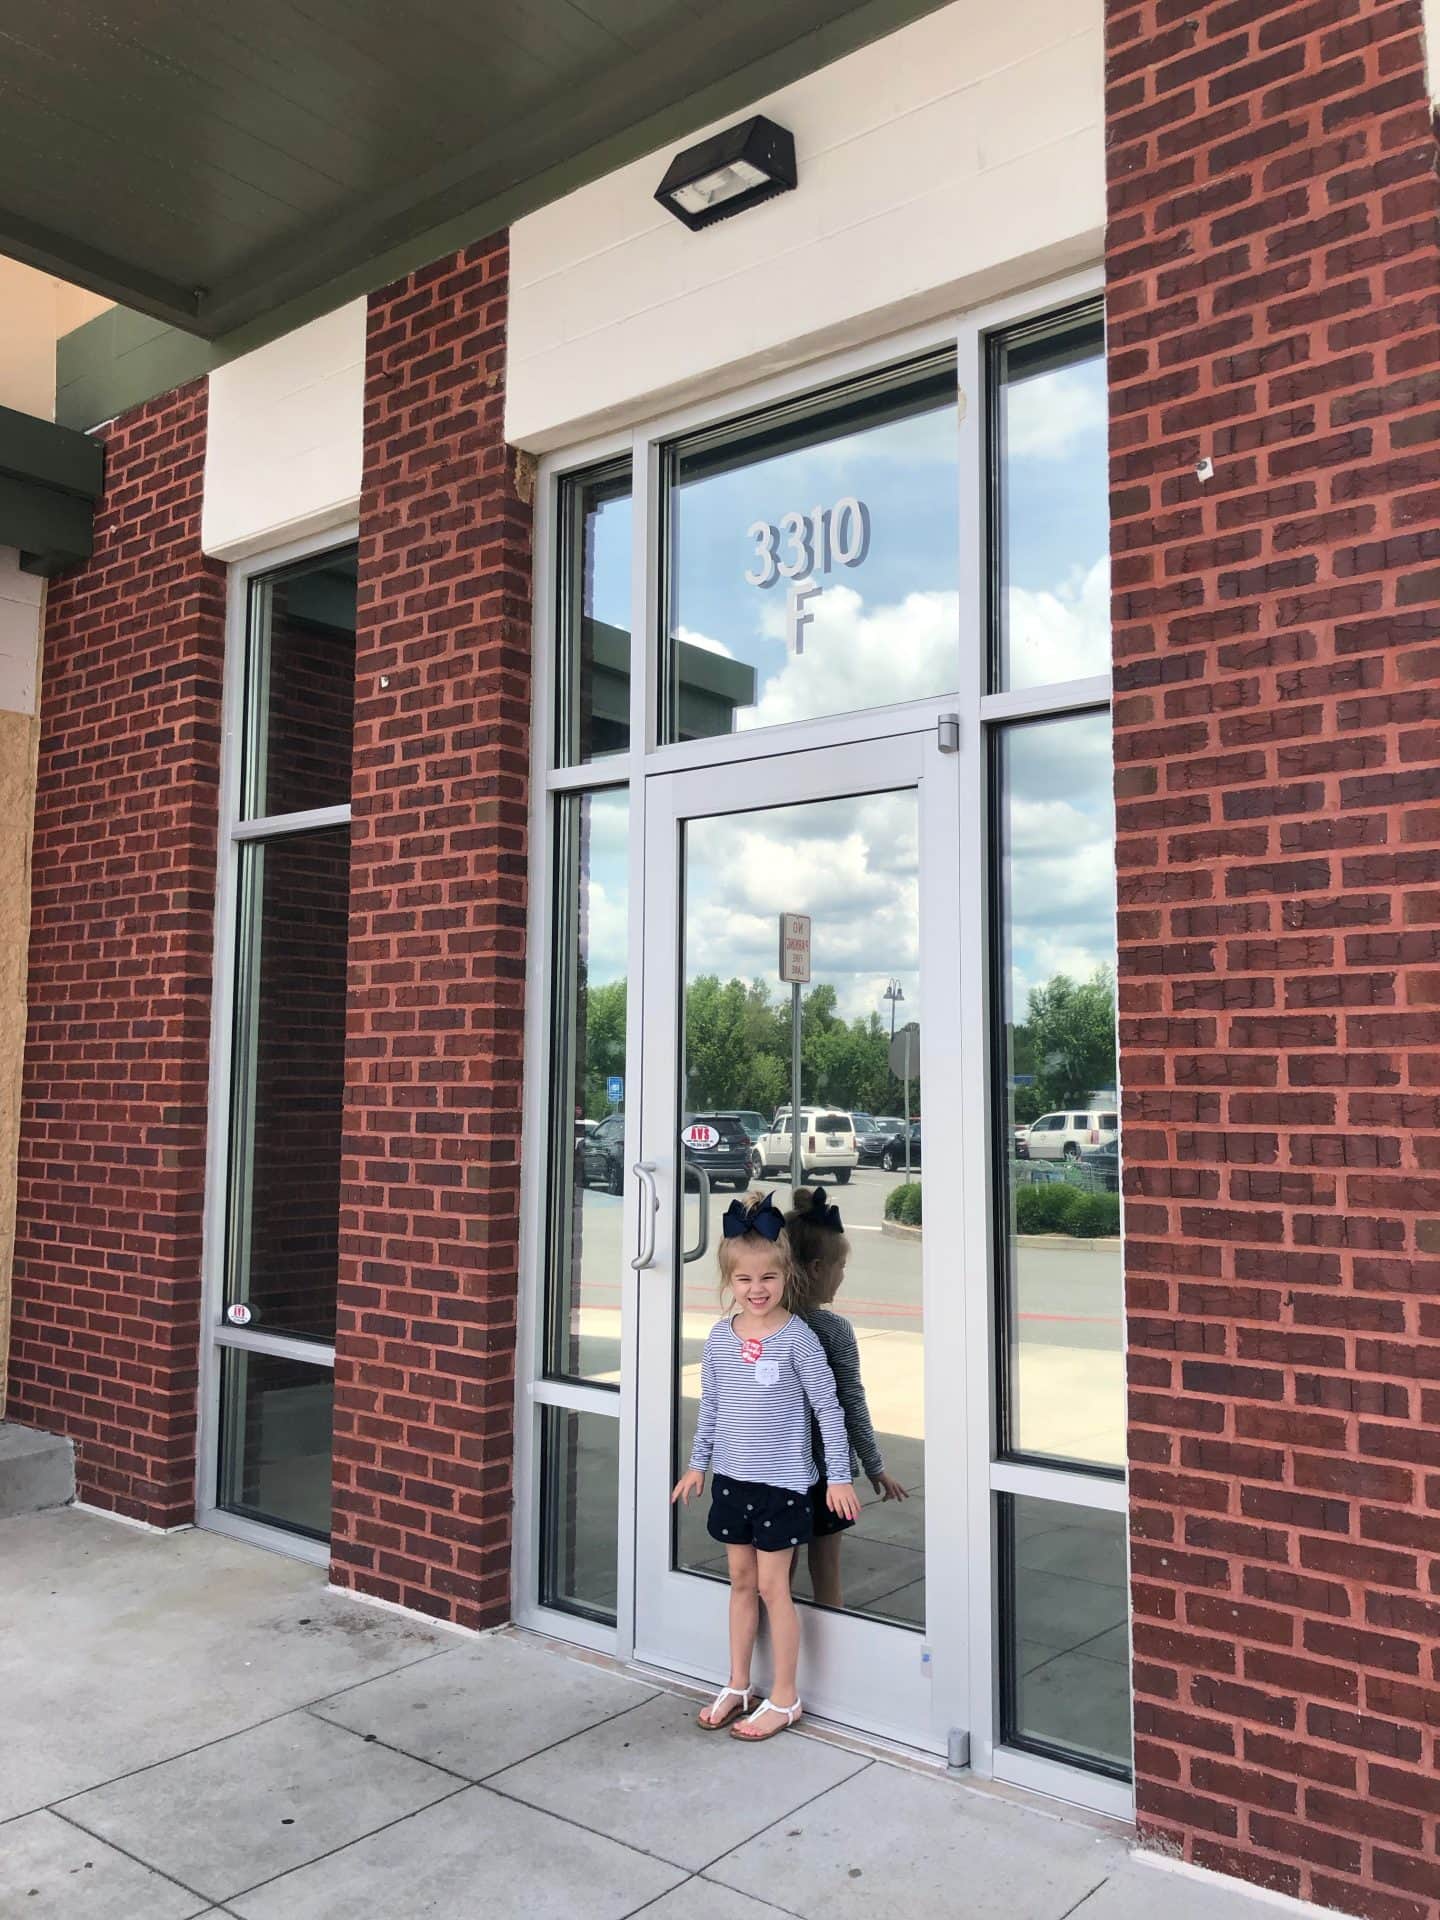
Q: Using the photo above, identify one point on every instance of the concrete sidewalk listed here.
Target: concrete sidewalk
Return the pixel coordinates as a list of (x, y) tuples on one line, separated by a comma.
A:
[(193, 1727)]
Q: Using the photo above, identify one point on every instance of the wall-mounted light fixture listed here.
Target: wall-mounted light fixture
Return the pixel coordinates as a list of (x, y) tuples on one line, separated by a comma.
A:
[(729, 172)]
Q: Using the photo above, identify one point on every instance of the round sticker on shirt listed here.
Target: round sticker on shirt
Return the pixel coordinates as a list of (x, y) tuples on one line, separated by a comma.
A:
[(767, 1372), (751, 1350)]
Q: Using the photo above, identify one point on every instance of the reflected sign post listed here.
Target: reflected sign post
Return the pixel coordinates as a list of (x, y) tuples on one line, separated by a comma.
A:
[(795, 968), (905, 1065)]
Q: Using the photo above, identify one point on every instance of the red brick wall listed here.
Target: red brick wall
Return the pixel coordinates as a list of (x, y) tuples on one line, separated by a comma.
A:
[(112, 1149), (1272, 266), (430, 1184)]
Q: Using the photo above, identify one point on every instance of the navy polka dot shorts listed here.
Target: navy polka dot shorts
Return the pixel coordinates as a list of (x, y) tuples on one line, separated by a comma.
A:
[(746, 1513)]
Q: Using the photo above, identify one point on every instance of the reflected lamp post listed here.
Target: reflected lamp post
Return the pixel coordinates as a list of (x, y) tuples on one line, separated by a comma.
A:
[(894, 993)]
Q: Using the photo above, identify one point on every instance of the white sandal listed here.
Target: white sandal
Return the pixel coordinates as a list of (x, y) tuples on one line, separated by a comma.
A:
[(792, 1714), (743, 1694)]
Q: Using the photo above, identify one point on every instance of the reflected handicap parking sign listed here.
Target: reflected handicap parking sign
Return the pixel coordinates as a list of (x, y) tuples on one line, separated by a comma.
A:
[(615, 1089)]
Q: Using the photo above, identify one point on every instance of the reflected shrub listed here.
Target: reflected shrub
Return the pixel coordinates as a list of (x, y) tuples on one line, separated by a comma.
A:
[(1060, 1208), (902, 1203)]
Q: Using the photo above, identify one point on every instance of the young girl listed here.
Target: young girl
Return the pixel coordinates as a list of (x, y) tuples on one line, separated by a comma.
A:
[(762, 1376), (820, 1250)]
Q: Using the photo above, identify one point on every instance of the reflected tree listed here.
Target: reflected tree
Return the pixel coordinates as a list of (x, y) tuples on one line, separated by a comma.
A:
[(1067, 1041)]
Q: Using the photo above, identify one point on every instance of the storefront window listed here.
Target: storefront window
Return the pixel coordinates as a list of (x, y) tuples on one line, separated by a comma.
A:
[(300, 688), (1060, 1141), (587, 1116), (580, 1472), (593, 692), (1050, 514), (289, 1081), (1067, 1657), (811, 561), (275, 1440)]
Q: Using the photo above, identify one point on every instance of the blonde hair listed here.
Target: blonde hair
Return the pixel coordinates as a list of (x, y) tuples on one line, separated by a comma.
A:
[(819, 1253), (733, 1245)]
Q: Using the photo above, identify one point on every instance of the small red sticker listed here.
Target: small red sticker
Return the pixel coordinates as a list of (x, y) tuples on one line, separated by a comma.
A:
[(751, 1350)]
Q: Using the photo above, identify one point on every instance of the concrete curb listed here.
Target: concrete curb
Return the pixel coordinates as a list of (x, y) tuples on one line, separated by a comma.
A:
[(1069, 1242)]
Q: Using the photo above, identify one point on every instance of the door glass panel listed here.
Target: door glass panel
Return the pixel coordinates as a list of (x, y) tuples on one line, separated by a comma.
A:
[(288, 1079), (580, 1468), (1051, 509), (852, 865), (275, 1426), (587, 1115), (300, 687), (1064, 1292), (812, 559), (1068, 1649), (593, 711)]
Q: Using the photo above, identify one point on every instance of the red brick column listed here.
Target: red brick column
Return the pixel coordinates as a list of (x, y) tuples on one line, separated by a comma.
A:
[(1272, 263), (430, 1185), (111, 1169)]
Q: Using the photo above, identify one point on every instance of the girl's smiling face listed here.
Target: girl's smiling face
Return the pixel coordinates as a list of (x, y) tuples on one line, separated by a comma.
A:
[(757, 1280)]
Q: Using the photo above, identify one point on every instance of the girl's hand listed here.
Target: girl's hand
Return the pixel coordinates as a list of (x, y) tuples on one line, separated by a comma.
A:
[(841, 1498), (888, 1487), (688, 1487)]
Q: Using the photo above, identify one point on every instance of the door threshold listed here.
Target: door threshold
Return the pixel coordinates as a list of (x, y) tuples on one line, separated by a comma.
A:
[(831, 1733)]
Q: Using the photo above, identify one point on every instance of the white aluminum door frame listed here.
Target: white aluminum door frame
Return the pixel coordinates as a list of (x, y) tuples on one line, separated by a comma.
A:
[(887, 1680)]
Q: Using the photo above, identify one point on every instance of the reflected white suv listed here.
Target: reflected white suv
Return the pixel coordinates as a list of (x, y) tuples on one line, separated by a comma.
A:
[(1065, 1136), (827, 1145)]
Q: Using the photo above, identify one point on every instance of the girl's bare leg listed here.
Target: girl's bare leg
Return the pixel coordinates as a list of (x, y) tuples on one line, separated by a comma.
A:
[(774, 1579), (744, 1619), (825, 1570)]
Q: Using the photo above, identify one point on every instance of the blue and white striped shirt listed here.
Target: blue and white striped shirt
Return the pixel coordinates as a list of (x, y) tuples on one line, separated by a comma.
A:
[(755, 1415)]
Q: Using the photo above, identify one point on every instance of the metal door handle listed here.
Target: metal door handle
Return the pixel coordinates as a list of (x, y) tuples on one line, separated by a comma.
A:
[(644, 1171), (694, 1253)]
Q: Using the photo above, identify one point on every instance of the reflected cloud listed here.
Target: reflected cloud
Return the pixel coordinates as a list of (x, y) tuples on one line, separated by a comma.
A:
[(1061, 633), (1047, 416), (855, 659)]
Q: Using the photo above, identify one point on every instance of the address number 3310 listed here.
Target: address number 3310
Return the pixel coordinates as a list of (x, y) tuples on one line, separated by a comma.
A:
[(804, 544)]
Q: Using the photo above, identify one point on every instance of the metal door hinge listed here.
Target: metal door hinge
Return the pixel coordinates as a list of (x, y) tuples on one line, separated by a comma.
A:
[(947, 732)]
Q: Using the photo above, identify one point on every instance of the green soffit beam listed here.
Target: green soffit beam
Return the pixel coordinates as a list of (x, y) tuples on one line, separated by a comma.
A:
[(50, 479), (125, 357)]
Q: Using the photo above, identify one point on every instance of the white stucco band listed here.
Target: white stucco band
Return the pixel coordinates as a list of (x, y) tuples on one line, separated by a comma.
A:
[(956, 159), (283, 445)]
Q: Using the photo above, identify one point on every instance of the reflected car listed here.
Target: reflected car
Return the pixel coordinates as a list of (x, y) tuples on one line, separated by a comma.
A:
[(602, 1155), (828, 1145), (1065, 1135), (892, 1153), (721, 1144), (1100, 1167)]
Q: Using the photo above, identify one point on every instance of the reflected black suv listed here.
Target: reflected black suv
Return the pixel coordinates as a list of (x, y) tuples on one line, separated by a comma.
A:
[(720, 1144), (892, 1154), (602, 1155)]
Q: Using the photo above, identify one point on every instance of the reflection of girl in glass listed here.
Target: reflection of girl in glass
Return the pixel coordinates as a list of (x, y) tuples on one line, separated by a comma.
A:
[(763, 1378), (820, 1251)]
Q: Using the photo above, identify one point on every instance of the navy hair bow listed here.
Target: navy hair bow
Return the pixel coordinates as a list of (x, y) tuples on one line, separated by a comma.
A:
[(822, 1214), (766, 1219)]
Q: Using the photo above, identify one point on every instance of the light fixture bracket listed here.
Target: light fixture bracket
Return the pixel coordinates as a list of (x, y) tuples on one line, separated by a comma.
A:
[(729, 172)]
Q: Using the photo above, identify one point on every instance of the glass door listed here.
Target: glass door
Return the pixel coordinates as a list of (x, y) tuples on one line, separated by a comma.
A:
[(862, 839)]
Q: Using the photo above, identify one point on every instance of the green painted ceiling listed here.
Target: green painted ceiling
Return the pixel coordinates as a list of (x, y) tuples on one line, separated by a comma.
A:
[(215, 162)]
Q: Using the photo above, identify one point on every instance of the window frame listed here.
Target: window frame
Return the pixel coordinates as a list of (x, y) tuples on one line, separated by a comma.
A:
[(239, 695)]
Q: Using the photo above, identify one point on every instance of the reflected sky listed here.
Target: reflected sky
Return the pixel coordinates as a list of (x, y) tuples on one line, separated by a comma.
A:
[(852, 864), (888, 629), (1058, 828)]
